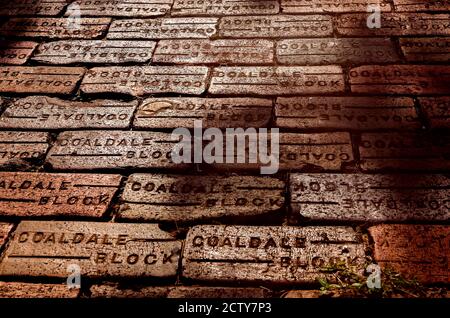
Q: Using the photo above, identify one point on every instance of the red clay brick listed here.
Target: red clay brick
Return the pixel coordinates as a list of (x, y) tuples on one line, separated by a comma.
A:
[(436, 110), (421, 5), (326, 6), (16, 53), (415, 251), (5, 228), (122, 8), (36, 290), (30, 194), (32, 7), (223, 7), (426, 49), (22, 148)]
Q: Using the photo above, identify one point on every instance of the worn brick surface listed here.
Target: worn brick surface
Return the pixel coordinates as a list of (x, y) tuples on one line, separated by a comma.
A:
[(224, 7), (22, 148), (426, 49), (5, 228), (16, 53), (324, 6), (32, 7), (121, 8), (42, 194), (41, 112), (36, 290), (416, 251), (99, 249), (421, 5), (436, 110)]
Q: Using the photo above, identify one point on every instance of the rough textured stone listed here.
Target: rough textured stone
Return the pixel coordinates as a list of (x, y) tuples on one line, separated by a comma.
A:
[(5, 228), (370, 198), (216, 292), (118, 291), (280, 80), (410, 151), (101, 149), (32, 7), (324, 6), (39, 79), (333, 50), (279, 26), (99, 51), (30, 194), (436, 110), (138, 81), (359, 113), (426, 49), (99, 249), (224, 7), (41, 112), (400, 79), (415, 251), (272, 254), (224, 52), (55, 28), (121, 8), (213, 112), (22, 148), (394, 24), (421, 5), (16, 53), (163, 28), (181, 198), (33, 290)]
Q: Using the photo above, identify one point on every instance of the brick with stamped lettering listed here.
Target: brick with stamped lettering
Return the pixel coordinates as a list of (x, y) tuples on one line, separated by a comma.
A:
[(421, 5), (369, 198), (5, 228), (223, 7), (39, 79), (30, 194), (36, 290), (102, 149), (47, 248), (55, 28), (415, 251), (145, 80), (400, 79), (174, 112), (324, 6), (22, 148), (223, 52), (275, 26), (164, 28), (404, 151), (426, 49), (96, 51), (436, 110), (335, 51), (32, 7), (393, 24), (269, 254), (121, 8), (42, 112), (16, 53), (358, 113), (280, 80), (156, 197)]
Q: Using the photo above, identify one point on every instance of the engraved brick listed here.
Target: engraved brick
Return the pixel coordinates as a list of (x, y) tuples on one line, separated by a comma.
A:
[(274, 254), (436, 110), (99, 249), (55, 28), (415, 251), (276, 26), (138, 81), (280, 80), (324, 6), (16, 53), (243, 52), (121, 8), (185, 198), (394, 24), (400, 79), (108, 52), (39, 79), (101, 149), (217, 292), (359, 113), (41, 112), (408, 151), (224, 7), (34, 290), (335, 51), (426, 49), (163, 28), (213, 112), (5, 228), (22, 148), (32, 7), (29, 194), (369, 198), (421, 5)]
